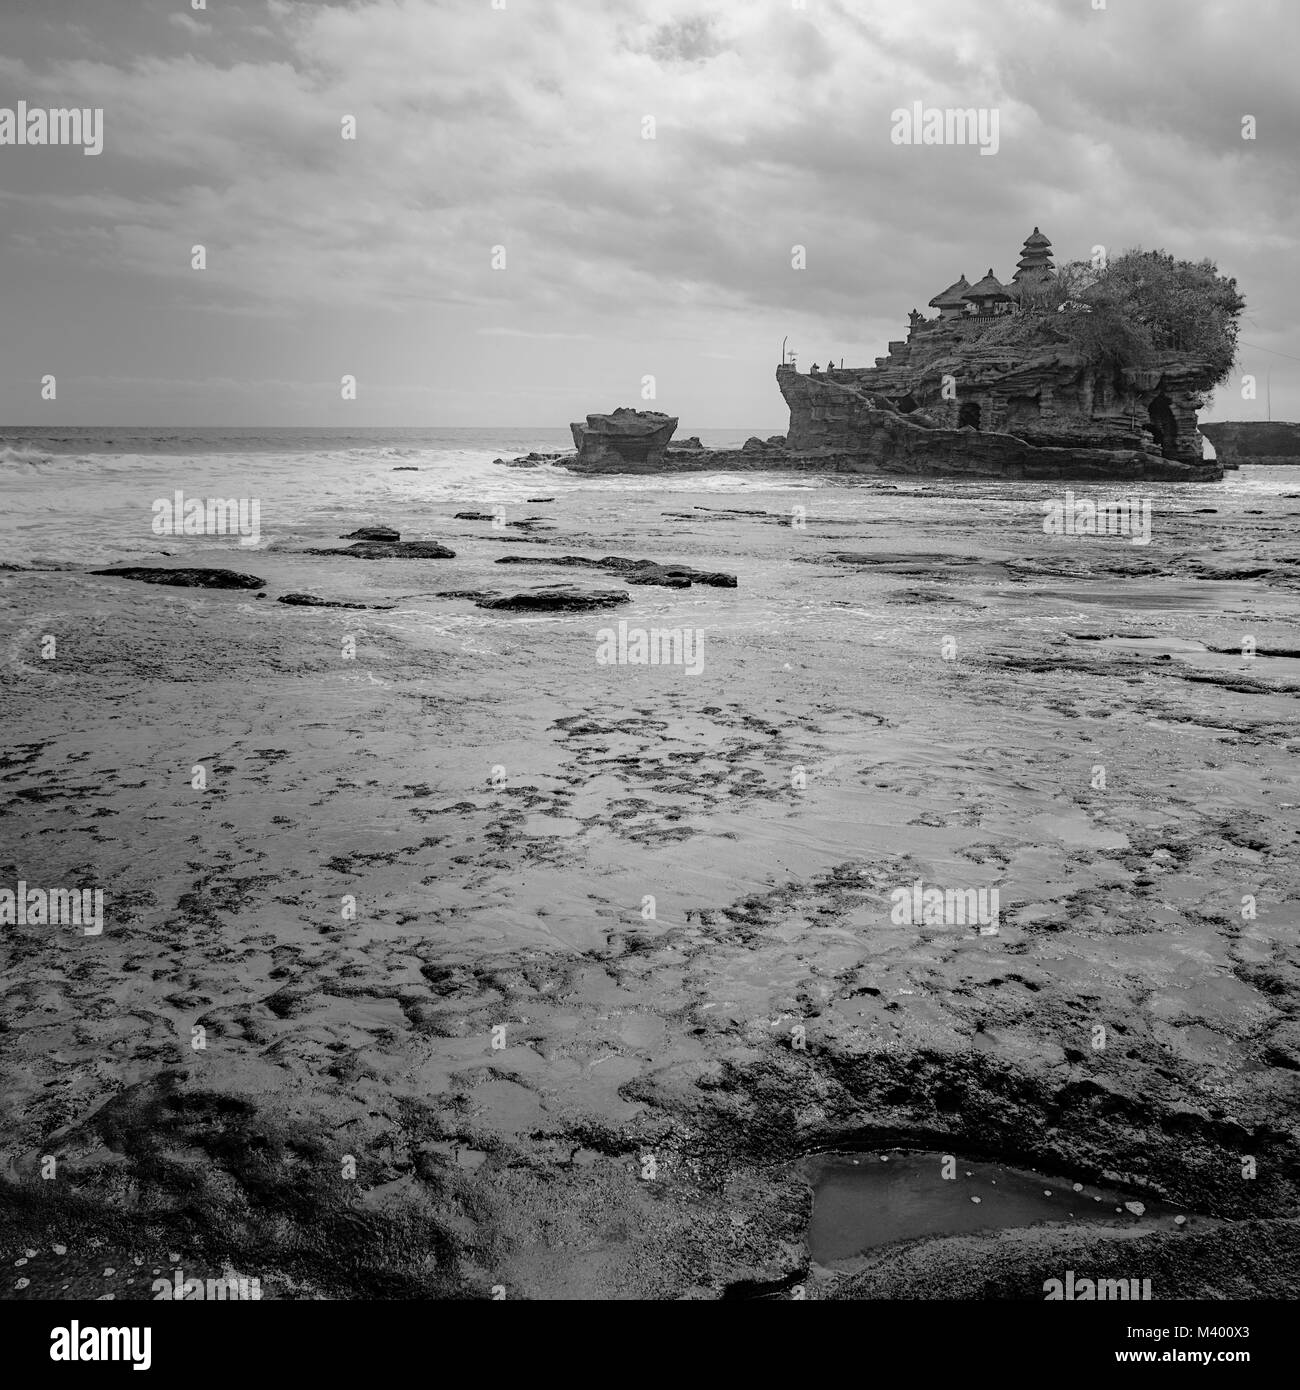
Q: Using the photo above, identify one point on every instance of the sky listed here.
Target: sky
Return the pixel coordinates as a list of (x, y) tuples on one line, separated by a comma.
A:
[(516, 131)]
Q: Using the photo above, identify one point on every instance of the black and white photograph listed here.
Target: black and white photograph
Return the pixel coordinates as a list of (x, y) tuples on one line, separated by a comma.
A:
[(650, 652)]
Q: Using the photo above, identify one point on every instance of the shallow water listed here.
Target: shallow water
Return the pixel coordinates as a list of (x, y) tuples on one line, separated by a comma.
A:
[(870, 1199)]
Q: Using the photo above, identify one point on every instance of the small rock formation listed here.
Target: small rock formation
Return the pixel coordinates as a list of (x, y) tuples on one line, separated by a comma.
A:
[(554, 598), (391, 550), (311, 601), (632, 571), (634, 440), (188, 579), (1254, 441), (372, 533), (533, 460)]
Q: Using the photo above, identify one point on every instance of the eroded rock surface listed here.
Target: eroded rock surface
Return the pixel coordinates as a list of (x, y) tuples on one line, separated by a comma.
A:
[(187, 578), (544, 1081), (634, 440), (632, 571), (553, 598), (391, 550), (373, 533)]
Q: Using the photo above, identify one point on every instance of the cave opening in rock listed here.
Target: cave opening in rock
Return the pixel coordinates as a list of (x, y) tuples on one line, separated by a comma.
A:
[(1163, 425), (906, 404), (969, 414)]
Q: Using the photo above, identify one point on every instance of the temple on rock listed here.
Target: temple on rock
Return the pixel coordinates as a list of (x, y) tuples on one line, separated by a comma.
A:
[(977, 390)]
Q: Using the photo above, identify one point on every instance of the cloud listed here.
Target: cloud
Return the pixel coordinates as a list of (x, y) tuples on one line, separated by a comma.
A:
[(189, 24), (524, 333), (523, 128)]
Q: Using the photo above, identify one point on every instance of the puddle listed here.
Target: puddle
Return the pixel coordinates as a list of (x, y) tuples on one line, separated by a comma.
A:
[(865, 1200)]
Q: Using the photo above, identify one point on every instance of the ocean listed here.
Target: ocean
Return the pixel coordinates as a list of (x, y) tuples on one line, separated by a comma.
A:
[(85, 494), (78, 495)]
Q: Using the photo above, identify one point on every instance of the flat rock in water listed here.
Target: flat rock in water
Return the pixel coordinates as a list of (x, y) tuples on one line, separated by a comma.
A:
[(372, 533), (311, 601), (631, 571), (895, 559), (392, 550), (473, 516), (670, 576), (554, 598), (189, 578)]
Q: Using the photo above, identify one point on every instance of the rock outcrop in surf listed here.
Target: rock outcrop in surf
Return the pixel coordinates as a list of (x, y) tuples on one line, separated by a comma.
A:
[(1254, 441)]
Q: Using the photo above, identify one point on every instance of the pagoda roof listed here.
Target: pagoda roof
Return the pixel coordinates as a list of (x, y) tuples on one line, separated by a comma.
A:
[(1036, 238), (990, 287), (953, 296)]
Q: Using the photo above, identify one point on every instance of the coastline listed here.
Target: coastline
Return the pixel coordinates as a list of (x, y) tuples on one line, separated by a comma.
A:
[(517, 899)]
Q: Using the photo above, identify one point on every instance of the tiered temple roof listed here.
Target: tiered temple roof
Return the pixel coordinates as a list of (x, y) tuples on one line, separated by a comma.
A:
[(953, 297), (989, 290), (1035, 257), (982, 298)]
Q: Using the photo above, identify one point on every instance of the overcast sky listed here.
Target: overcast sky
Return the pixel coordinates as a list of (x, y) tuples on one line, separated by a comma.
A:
[(522, 127)]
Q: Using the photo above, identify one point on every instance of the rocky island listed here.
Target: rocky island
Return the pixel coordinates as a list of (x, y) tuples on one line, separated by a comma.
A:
[(1086, 372), (636, 437), (1254, 441)]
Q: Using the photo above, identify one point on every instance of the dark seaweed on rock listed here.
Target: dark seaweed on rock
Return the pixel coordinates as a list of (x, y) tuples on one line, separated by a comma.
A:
[(392, 550), (632, 571), (187, 578), (311, 601), (372, 533), (555, 598)]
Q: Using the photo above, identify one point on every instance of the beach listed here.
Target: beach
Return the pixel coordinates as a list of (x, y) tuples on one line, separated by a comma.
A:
[(477, 966)]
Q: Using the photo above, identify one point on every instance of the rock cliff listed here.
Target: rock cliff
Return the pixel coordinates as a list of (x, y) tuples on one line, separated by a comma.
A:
[(1254, 441), (956, 407), (627, 437)]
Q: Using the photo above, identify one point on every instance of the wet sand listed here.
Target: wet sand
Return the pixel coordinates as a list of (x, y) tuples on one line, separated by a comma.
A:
[(547, 1086)]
